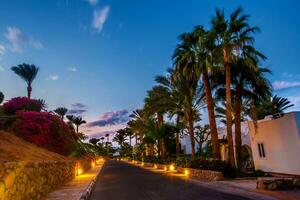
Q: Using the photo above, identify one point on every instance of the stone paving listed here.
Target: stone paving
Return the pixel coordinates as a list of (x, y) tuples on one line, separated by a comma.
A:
[(75, 188)]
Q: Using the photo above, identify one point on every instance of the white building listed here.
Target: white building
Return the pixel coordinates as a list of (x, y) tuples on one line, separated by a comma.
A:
[(273, 143), (276, 144)]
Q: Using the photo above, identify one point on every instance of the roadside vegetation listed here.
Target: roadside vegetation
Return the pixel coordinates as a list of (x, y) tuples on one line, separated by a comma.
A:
[(217, 71)]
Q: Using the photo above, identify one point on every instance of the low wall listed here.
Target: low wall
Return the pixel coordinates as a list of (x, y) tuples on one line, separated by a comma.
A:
[(206, 175), (33, 180)]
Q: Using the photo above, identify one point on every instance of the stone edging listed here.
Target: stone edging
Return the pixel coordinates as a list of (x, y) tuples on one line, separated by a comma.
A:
[(206, 175), (88, 191)]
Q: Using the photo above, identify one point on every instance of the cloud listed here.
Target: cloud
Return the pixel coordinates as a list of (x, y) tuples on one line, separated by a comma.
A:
[(101, 134), (92, 2), (78, 105), (54, 77), (77, 109), (280, 85), (18, 40), (2, 49), (1, 68), (72, 69), (99, 18), (111, 118)]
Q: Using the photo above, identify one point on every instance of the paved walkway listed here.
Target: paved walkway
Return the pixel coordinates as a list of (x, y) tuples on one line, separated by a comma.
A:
[(74, 189), (123, 181)]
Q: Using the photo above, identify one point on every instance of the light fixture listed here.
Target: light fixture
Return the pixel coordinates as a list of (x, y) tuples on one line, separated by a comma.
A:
[(186, 172), (171, 167)]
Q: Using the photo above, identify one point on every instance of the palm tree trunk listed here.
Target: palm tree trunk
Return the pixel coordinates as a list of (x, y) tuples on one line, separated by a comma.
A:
[(29, 90), (237, 126), (177, 137), (160, 119), (191, 130), (77, 129), (211, 115), (228, 109)]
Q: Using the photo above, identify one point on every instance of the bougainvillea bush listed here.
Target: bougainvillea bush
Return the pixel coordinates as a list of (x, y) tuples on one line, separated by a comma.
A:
[(22, 103), (45, 130)]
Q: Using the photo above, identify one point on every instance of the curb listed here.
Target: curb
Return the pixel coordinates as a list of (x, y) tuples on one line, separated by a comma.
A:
[(88, 191)]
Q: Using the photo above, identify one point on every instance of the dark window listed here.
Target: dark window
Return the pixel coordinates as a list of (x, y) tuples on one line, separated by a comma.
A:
[(261, 150)]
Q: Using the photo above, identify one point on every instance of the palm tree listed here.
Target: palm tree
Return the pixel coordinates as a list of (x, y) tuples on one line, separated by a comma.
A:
[(120, 137), (27, 73), (102, 139), (174, 101), (94, 141), (157, 102), (249, 84), (61, 111), (78, 121), (198, 48), (271, 106), (234, 40), (192, 96), (1, 97)]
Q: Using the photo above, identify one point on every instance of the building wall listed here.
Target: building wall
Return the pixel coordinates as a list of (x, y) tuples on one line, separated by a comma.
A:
[(281, 141)]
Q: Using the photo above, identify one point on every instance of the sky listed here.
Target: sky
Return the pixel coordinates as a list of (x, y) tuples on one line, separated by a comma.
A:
[(98, 58)]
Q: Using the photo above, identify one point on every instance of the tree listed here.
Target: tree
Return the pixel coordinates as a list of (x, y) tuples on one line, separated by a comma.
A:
[(248, 84), (78, 121), (94, 141), (1, 97), (61, 111), (202, 134), (27, 73), (120, 137), (174, 99), (233, 37), (271, 106), (198, 49)]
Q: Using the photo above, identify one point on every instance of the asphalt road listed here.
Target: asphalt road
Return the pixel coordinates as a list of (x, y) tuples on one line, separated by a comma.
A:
[(122, 181)]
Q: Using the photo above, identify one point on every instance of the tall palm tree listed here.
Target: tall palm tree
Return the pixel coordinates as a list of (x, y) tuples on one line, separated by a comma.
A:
[(175, 101), (198, 48), (61, 111), (157, 102), (27, 73), (234, 38), (248, 84), (78, 121), (192, 96)]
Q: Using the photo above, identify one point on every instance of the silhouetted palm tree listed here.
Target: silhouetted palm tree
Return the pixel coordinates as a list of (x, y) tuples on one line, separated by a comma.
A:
[(61, 111), (78, 121), (1, 97), (27, 73)]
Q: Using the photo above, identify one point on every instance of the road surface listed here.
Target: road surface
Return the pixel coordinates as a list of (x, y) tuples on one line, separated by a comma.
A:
[(122, 181)]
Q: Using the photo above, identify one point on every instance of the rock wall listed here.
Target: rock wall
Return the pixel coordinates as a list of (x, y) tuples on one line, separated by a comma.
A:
[(206, 175), (23, 181)]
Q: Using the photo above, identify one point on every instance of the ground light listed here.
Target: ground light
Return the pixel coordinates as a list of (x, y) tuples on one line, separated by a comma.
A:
[(186, 172), (172, 168), (93, 164), (78, 171), (155, 166), (165, 168)]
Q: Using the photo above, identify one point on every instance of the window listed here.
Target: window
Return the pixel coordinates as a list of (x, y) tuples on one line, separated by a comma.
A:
[(261, 150)]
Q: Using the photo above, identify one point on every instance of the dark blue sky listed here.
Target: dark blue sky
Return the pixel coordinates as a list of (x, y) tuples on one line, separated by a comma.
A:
[(104, 54)]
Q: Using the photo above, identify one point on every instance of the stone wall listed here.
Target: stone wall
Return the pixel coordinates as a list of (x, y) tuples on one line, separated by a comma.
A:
[(206, 175), (20, 181)]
